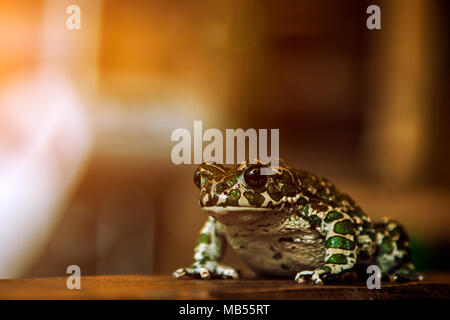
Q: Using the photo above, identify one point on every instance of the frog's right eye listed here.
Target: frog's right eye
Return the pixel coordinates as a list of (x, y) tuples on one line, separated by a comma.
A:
[(197, 178), (253, 177)]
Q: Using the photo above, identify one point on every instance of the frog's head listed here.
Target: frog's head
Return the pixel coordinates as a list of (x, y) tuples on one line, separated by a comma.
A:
[(243, 188)]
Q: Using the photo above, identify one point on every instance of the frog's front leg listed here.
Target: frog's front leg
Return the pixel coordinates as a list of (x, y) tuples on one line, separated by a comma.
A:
[(207, 255), (341, 249)]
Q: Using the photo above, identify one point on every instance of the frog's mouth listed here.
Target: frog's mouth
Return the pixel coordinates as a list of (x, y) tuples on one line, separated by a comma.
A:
[(219, 210), (239, 215)]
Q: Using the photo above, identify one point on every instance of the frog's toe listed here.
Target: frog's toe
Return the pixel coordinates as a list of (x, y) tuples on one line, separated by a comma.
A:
[(227, 272), (204, 273), (218, 271), (179, 273), (309, 276)]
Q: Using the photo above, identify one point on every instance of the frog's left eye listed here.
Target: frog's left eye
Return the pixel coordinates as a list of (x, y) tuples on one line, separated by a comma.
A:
[(197, 178), (253, 177)]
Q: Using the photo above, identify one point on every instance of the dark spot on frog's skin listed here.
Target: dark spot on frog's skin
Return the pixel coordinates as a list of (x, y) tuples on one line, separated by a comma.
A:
[(277, 256), (319, 207), (220, 188), (285, 267), (273, 192), (242, 247), (372, 235), (323, 191), (286, 240), (212, 200), (314, 220), (308, 193), (302, 201), (289, 190), (272, 248), (386, 245)]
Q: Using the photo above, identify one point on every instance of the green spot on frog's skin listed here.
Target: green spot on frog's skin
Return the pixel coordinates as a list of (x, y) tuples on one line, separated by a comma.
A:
[(332, 216), (344, 227), (205, 238), (230, 181), (340, 242), (386, 245), (273, 192), (338, 258), (327, 269), (277, 256), (233, 198), (255, 199), (203, 260)]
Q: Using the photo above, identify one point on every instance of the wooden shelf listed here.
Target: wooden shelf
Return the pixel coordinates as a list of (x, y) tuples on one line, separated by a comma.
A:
[(436, 286)]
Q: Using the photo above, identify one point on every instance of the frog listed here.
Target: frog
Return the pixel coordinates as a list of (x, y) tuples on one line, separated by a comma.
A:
[(286, 222)]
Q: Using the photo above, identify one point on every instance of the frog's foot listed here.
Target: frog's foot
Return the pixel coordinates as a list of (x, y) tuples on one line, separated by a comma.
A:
[(404, 273), (207, 271), (312, 276)]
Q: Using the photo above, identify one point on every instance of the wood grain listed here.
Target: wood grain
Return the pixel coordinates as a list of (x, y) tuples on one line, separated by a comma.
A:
[(436, 286)]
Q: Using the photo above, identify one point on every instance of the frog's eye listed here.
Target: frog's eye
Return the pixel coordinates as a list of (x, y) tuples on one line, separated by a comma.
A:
[(197, 178), (253, 177)]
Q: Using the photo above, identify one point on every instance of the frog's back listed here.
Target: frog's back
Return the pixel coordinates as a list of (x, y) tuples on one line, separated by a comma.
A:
[(321, 189)]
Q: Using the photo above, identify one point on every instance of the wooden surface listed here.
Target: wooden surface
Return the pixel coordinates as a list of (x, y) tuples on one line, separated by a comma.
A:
[(163, 287)]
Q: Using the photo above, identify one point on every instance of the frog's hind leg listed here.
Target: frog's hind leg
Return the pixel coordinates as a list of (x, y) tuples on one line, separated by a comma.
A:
[(393, 252)]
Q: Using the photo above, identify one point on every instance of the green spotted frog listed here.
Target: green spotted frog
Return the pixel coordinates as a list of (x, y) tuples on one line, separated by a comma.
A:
[(291, 223)]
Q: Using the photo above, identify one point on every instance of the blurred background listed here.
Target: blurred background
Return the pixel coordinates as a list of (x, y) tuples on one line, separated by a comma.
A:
[(86, 117)]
